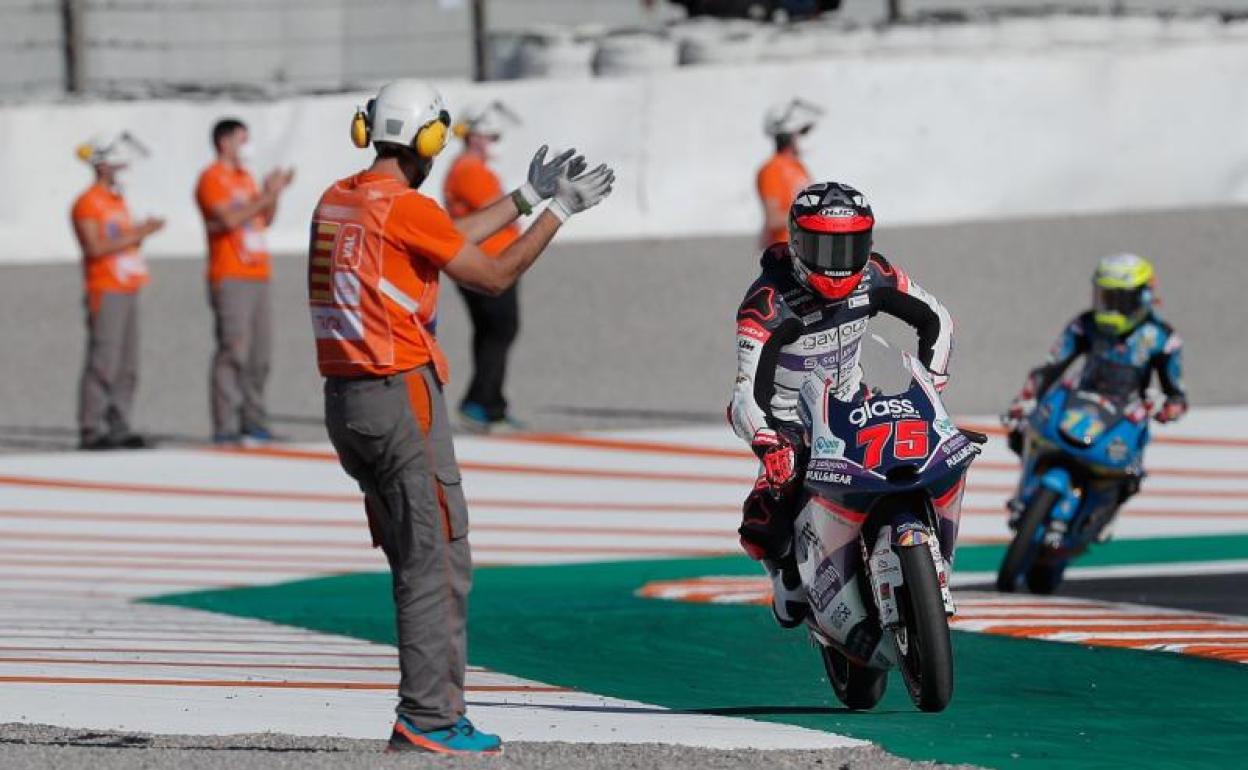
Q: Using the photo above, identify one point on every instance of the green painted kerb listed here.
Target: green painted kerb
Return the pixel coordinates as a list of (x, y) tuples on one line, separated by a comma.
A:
[(1017, 703)]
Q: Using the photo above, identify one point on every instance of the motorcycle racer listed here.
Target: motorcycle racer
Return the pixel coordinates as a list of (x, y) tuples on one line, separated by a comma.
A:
[(809, 308), (1124, 342)]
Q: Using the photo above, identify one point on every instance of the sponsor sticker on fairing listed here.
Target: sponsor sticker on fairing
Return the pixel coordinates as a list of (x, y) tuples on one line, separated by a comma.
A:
[(826, 585), (883, 407), (829, 447), (1117, 450), (840, 616), (957, 458), (829, 478)]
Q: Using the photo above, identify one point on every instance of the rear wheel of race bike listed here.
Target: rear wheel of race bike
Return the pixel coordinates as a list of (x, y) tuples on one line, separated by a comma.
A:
[(1024, 545), (923, 637), (858, 687)]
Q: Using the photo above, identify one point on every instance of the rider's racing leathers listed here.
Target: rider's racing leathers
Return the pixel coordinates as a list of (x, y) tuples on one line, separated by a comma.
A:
[(784, 331), (1116, 366)]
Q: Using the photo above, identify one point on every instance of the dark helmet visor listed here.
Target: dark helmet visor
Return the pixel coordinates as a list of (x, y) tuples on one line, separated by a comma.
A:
[(831, 253), (1125, 301)]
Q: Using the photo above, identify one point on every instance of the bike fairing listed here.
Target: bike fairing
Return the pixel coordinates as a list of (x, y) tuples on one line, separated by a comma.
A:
[(845, 520)]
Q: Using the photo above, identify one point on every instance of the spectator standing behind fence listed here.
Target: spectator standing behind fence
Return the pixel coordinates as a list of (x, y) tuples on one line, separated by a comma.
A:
[(783, 176), (114, 272), (237, 215), (471, 185)]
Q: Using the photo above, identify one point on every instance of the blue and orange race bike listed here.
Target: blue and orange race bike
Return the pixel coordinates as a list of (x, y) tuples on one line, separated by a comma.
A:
[(1081, 450), (875, 533)]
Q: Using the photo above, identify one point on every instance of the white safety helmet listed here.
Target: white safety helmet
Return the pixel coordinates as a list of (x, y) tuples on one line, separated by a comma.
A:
[(489, 120), (795, 116), (112, 150), (410, 113)]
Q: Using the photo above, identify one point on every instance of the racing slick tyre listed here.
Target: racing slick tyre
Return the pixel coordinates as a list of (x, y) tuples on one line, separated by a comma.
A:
[(1023, 547), (1044, 578), (858, 687), (923, 638)]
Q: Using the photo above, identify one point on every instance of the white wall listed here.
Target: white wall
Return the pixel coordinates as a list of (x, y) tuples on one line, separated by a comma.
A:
[(929, 137)]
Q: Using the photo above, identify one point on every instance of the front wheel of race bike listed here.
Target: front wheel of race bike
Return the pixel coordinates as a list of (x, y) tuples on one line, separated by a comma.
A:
[(1023, 547), (923, 637), (858, 687), (1045, 578)]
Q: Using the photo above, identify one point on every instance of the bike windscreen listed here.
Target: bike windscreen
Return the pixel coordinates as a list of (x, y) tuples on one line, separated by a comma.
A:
[(895, 418)]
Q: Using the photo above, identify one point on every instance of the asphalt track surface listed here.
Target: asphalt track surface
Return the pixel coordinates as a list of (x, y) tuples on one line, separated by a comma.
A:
[(641, 333), (1225, 594), (39, 746)]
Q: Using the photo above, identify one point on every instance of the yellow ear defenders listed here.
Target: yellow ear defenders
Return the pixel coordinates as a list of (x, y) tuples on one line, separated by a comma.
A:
[(84, 152), (428, 142), (431, 138), (359, 127)]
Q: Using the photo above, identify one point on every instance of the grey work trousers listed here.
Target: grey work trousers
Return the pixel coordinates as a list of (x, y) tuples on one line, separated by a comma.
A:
[(110, 372), (393, 437), (240, 364)]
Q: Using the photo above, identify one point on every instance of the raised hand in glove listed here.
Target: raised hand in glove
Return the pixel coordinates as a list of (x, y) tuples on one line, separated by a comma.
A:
[(777, 455), (1173, 409), (544, 176), (575, 194)]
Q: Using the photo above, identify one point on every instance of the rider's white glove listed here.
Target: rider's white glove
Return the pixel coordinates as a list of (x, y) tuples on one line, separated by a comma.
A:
[(544, 176), (576, 193)]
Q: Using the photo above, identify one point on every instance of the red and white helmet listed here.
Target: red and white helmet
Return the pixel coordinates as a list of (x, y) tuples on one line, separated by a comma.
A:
[(830, 228)]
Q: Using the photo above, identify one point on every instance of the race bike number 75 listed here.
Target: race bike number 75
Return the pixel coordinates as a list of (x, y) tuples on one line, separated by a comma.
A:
[(909, 439)]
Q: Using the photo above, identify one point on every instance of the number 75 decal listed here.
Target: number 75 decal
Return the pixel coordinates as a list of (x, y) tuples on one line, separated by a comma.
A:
[(910, 442)]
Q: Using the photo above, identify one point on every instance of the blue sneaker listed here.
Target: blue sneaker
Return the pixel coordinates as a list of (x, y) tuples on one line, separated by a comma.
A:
[(227, 439), (459, 738), (258, 435), (473, 418)]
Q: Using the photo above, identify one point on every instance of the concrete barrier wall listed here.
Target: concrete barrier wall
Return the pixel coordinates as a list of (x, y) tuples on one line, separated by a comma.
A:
[(930, 137)]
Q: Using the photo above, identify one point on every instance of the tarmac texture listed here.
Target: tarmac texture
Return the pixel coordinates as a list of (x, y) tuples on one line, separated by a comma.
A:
[(42, 746), (633, 333)]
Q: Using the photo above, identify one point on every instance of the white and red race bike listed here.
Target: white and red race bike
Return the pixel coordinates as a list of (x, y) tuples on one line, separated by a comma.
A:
[(875, 534)]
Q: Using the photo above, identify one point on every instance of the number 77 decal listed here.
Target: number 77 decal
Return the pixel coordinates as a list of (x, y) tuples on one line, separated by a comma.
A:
[(910, 443)]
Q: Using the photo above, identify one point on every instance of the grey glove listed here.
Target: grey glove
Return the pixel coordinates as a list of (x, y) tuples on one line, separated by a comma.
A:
[(543, 178), (575, 194)]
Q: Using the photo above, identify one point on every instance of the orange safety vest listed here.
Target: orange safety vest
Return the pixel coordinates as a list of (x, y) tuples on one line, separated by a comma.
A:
[(375, 256), (779, 181), (241, 253), (470, 186), (123, 271)]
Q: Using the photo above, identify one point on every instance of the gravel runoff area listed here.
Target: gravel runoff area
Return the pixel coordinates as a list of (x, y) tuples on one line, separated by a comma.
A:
[(26, 747), (633, 333)]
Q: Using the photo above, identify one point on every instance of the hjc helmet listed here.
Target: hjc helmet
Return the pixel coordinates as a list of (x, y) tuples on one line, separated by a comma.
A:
[(830, 228), (1123, 289)]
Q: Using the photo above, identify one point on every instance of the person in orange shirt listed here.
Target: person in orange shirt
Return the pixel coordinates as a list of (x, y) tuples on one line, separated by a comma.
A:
[(472, 185), (114, 272), (236, 215), (783, 176), (378, 247)]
